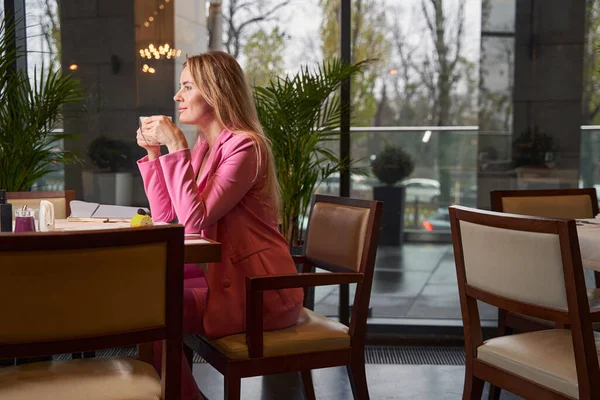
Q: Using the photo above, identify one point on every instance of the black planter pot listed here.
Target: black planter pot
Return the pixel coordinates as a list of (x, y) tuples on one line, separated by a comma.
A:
[(392, 219)]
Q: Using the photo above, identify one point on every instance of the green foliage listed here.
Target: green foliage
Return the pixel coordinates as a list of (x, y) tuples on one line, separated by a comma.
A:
[(30, 107), (300, 115), (393, 164), (111, 155), (369, 42), (591, 71), (265, 56)]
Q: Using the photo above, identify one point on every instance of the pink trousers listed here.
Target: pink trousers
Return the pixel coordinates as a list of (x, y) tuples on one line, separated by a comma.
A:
[(194, 304)]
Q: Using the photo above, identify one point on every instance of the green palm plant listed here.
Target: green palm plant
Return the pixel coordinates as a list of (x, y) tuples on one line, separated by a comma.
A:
[(30, 108), (301, 115)]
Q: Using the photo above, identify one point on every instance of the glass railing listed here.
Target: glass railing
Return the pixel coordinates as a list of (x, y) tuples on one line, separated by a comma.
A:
[(445, 163), (460, 165), (415, 280), (54, 180)]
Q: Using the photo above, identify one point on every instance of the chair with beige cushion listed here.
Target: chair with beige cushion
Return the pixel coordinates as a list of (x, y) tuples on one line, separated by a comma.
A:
[(554, 203), (342, 238), (60, 198), (75, 291), (500, 260)]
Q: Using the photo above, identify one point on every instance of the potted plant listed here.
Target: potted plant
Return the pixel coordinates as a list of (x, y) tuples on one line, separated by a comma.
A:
[(300, 115), (392, 165), (30, 110), (534, 149), (111, 181)]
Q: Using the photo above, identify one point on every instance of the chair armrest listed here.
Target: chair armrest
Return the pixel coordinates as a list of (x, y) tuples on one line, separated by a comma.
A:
[(288, 281), (254, 298), (299, 259)]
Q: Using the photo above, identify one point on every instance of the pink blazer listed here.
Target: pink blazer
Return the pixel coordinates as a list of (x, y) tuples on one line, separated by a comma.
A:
[(227, 206)]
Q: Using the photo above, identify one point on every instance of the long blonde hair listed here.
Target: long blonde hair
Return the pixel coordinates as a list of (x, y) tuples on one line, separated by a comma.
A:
[(224, 87)]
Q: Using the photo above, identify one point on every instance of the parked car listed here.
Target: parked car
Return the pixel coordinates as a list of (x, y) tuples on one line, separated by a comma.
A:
[(438, 222), (331, 185), (422, 189)]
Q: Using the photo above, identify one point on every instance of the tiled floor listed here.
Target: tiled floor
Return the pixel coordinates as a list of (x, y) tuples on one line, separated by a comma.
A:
[(415, 281), (403, 382)]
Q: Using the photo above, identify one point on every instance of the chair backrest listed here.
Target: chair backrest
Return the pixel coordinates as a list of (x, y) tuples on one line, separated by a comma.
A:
[(60, 198), (528, 265), (64, 292), (556, 203), (342, 236)]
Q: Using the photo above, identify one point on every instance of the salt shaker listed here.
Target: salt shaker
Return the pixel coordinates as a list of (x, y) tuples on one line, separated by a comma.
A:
[(46, 216)]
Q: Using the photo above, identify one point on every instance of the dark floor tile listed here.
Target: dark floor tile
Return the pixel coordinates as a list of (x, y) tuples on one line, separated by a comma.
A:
[(390, 306), (399, 283), (410, 257), (441, 301), (445, 274), (423, 382), (391, 296)]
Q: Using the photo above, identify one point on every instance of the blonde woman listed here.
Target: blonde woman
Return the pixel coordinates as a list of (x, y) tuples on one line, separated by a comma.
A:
[(226, 189)]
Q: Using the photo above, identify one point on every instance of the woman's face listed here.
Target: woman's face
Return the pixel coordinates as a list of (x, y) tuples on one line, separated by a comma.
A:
[(193, 109)]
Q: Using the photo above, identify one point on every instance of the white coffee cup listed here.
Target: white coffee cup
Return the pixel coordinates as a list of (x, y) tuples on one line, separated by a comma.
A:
[(141, 121), (46, 219)]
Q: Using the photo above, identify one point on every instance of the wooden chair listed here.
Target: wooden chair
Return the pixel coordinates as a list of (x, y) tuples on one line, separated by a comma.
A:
[(75, 291), (554, 203), (500, 259), (60, 198), (342, 238)]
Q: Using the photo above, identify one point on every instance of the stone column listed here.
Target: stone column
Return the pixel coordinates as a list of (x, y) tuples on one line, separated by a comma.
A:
[(547, 97), (98, 39), (191, 36), (215, 25), (103, 38)]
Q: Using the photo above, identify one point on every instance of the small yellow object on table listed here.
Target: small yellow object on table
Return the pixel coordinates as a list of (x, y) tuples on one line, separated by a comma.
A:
[(141, 219)]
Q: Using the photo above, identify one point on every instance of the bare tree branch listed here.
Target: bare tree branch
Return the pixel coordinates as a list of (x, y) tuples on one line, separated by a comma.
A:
[(460, 21), (235, 29)]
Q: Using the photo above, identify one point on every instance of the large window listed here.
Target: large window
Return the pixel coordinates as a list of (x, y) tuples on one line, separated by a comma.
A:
[(43, 52), (418, 101)]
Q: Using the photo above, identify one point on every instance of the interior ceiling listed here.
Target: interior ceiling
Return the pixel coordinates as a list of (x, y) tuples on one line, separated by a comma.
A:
[(158, 31)]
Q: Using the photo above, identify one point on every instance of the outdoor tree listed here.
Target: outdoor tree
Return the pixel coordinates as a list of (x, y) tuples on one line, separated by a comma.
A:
[(241, 17), (368, 41), (264, 52), (591, 90), (49, 19), (440, 73)]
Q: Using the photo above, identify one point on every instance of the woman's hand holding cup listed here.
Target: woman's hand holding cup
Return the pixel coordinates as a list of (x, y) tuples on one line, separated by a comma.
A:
[(161, 129)]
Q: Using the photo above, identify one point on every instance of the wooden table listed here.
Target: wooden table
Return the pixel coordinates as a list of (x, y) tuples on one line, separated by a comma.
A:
[(589, 244), (197, 249)]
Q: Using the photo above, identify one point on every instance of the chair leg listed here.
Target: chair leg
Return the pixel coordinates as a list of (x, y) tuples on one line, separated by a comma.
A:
[(473, 386), (503, 330), (189, 355), (494, 393), (358, 376), (309, 389), (233, 387), (89, 354)]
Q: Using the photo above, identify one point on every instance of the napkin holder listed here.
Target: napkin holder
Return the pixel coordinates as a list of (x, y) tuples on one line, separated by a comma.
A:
[(46, 216)]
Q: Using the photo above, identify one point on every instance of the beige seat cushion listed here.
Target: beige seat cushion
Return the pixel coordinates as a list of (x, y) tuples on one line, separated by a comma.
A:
[(312, 333), (544, 357), (90, 379), (593, 298)]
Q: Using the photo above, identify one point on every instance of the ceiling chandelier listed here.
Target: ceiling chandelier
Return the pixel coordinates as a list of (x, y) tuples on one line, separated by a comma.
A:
[(157, 53), (163, 51)]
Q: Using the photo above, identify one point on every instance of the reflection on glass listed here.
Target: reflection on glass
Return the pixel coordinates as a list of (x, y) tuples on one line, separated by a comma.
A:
[(498, 15)]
